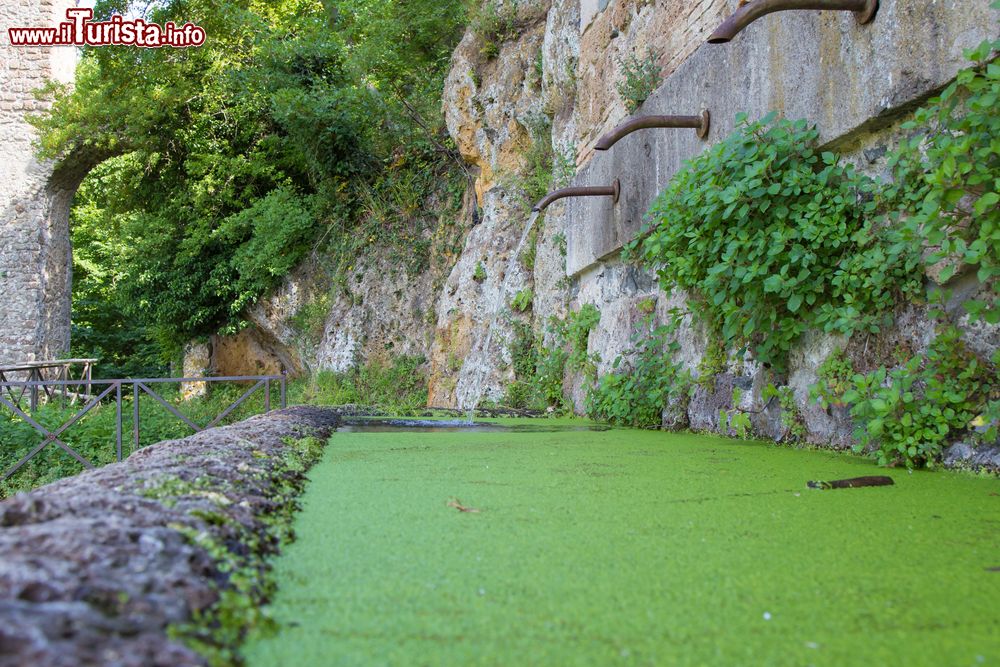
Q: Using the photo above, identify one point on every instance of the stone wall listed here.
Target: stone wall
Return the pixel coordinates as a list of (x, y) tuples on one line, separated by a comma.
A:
[(35, 262), (857, 83), (851, 80), (106, 568)]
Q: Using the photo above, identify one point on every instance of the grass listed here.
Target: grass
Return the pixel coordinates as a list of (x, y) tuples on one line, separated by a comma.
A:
[(630, 547)]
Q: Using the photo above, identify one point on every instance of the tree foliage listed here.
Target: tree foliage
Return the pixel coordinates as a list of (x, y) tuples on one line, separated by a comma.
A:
[(229, 162)]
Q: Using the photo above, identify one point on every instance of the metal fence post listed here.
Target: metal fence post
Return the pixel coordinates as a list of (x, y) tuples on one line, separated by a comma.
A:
[(118, 419), (284, 389), (135, 416), (34, 375)]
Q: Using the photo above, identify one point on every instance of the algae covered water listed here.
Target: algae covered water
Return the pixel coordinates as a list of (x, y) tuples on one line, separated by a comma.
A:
[(629, 547)]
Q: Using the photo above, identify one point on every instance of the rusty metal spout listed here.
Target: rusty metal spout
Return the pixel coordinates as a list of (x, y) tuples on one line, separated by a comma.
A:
[(612, 190), (864, 11), (698, 123)]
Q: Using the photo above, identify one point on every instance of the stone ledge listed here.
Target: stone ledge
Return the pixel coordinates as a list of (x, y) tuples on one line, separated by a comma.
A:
[(94, 569)]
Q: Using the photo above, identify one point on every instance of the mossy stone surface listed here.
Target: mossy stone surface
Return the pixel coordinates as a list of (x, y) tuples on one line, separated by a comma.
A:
[(630, 547)]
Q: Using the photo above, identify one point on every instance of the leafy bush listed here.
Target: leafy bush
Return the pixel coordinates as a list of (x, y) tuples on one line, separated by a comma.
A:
[(772, 238), (908, 414), (643, 381), (946, 175), (639, 79)]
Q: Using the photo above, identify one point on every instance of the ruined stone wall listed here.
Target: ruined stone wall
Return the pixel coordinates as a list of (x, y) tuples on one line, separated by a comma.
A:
[(35, 260)]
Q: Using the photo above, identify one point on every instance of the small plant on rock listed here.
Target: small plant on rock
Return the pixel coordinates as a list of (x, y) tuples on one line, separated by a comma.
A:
[(791, 417), (835, 379), (639, 79), (495, 23), (522, 300), (906, 415), (576, 331), (479, 274)]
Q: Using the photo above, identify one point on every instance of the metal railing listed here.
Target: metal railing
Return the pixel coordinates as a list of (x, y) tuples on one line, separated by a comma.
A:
[(138, 387), (38, 385)]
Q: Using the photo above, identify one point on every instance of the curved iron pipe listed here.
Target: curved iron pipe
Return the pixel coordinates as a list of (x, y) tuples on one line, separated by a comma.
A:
[(699, 123), (864, 10), (612, 190)]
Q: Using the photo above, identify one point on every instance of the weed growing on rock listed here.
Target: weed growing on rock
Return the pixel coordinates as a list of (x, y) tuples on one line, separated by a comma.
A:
[(479, 273), (791, 416), (906, 415), (735, 420), (643, 381), (522, 300), (713, 361), (834, 380), (640, 77), (495, 23), (560, 240), (575, 330), (524, 350), (539, 369)]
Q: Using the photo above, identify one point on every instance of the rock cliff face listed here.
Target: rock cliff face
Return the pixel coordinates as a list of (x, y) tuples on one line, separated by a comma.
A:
[(554, 81), (858, 83)]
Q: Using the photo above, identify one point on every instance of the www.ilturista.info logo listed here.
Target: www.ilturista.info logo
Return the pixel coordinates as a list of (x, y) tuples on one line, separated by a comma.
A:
[(79, 30)]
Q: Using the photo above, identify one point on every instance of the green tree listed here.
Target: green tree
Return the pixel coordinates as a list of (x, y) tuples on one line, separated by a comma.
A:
[(226, 164)]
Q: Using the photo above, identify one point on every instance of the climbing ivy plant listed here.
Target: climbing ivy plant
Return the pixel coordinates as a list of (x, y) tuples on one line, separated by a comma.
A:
[(770, 237), (943, 197), (773, 237)]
